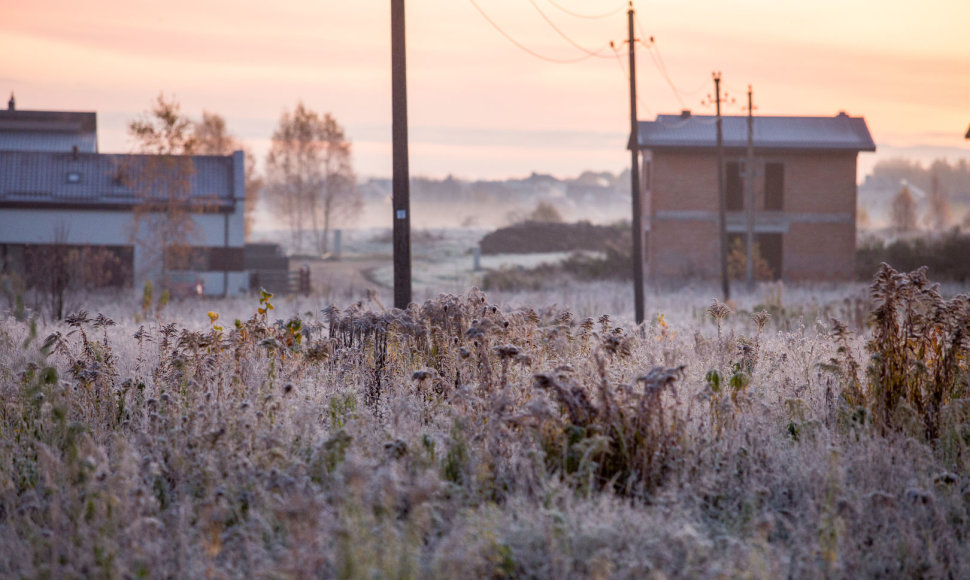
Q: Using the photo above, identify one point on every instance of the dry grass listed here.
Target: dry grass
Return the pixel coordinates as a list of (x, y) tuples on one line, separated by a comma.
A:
[(463, 438)]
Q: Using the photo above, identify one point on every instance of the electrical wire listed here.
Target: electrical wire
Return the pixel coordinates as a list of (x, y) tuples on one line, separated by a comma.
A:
[(649, 43), (524, 47), (589, 17), (663, 72), (742, 96), (656, 48), (658, 61), (597, 53), (626, 79)]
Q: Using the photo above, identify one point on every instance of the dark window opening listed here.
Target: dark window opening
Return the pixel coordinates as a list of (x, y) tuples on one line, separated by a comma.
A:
[(767, 256), (774, 186), (734, 187), (770, 247)]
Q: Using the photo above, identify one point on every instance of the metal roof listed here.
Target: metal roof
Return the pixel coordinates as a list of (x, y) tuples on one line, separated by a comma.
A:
[(839, 133), (48, 131), (92, 179), (23, 141)]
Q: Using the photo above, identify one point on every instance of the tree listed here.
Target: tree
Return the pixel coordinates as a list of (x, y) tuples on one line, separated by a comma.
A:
[(163, 226), (309, 176), (938, 213), (213, 138), (545, 212), (904, 211)]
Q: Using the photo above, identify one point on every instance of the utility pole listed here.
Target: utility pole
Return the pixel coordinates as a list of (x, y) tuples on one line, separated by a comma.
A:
[(721, 194), (401, 197), (635, 179), (749, 174)]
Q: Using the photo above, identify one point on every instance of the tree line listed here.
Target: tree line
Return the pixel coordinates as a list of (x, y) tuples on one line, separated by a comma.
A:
[(938, 184)]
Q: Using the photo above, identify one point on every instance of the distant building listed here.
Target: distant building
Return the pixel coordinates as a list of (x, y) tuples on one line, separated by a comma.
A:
[(805, 193), (56, 188)]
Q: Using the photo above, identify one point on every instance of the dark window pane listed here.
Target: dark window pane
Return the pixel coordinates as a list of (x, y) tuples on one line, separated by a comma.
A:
[(774, 186), (770, 247), (734, 186)]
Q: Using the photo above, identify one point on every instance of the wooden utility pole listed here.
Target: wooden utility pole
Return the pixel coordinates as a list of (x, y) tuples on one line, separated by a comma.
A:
[(635, 179), (721, 194), (749, 174), (401, 198)]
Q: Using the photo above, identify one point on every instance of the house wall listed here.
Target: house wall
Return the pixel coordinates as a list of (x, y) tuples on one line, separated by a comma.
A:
[(98, 228), (817, 223)]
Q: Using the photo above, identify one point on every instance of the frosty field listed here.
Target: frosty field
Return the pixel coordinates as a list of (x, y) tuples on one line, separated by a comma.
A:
[(534, 435)]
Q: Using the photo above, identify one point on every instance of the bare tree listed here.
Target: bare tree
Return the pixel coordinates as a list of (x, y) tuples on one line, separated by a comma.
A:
[(163, 227), (904, 217), (213, 138), (309, 175)]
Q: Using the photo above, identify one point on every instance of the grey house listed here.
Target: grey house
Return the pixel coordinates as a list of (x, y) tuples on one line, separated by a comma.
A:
[(57, 189)]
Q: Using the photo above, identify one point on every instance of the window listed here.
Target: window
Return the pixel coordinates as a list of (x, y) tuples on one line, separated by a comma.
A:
[(767, 256), (774, 186), (734, 187), (73, 177), (770, 246)]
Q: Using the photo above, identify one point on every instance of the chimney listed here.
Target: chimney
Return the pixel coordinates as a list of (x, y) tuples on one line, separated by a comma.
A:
[(12, 103), (74, 152), (685, 114)]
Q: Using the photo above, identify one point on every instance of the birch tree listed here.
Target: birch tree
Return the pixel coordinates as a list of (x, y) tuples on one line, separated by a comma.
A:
[(310, 181)]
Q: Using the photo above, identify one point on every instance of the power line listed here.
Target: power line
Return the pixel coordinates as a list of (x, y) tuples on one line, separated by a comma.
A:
[(649, 42), (619, 62), (663, 72), (569, 40), (658, 61), (524, 47), (619, 9), (655, 47)]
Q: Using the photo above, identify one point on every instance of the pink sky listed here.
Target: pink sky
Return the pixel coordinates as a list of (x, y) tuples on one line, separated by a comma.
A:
[(479, 106)]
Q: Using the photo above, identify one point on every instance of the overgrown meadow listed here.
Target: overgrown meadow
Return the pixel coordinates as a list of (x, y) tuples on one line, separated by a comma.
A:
[(813, 434)]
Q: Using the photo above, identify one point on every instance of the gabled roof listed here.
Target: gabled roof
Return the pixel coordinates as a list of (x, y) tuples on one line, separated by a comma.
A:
[(48, 131), (93, 180), (687, 131)]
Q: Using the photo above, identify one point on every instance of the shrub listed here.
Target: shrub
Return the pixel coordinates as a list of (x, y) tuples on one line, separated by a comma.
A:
[(917, 364)]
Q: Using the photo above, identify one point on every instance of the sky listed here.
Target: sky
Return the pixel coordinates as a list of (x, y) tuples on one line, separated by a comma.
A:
[(479, 106)]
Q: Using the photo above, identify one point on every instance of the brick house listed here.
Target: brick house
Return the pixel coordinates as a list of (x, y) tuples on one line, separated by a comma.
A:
[(58, 191), (804, 190)]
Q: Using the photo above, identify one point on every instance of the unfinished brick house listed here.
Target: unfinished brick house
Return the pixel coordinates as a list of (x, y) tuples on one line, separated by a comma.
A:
[(804, 191)]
